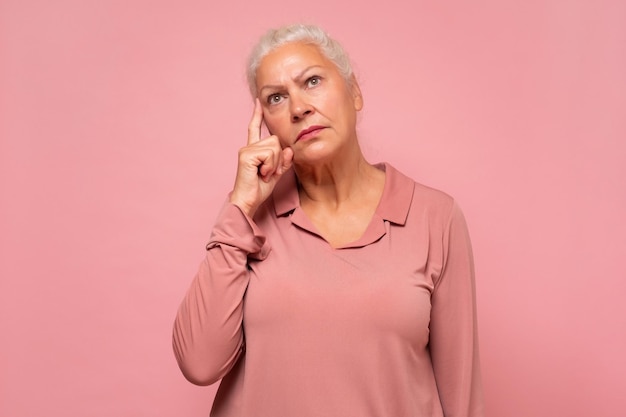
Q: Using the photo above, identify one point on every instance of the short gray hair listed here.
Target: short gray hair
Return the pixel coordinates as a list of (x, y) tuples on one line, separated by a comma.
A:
[(309, 34)]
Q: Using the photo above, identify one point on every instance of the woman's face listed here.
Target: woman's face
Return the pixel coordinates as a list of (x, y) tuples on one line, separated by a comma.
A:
[(306, 102)]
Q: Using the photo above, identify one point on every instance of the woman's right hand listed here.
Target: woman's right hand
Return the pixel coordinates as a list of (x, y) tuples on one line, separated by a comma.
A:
[(261, 164)]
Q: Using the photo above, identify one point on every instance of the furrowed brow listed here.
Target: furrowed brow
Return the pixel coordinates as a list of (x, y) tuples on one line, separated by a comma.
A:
[(298, 77), (303, 72)]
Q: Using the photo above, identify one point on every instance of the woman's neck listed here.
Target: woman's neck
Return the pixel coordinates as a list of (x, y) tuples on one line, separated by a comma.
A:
[(337, 182)]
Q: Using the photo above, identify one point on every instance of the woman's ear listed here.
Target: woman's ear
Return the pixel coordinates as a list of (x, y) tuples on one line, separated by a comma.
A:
[(355, 90)]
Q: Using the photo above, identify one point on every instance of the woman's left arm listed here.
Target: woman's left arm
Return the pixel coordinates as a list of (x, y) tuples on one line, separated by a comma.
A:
[(453, 327)]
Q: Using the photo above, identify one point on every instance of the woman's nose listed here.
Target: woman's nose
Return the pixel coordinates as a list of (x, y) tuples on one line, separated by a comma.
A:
[(300, 108)]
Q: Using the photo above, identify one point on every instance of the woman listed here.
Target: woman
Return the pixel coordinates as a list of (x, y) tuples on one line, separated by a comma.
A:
[(331, 286)]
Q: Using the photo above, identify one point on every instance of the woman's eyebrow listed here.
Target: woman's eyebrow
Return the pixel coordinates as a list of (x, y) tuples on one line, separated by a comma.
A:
[(304, 71), (298, 77)]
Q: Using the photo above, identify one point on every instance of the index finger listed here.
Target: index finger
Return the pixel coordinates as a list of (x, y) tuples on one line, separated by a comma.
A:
[(254, 128)]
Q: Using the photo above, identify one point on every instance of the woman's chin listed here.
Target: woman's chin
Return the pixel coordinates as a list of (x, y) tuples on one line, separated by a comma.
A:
[(313, 153)]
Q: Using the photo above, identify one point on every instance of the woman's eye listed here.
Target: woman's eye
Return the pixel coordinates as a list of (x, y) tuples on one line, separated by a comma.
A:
[(274, 98), (313, 81)]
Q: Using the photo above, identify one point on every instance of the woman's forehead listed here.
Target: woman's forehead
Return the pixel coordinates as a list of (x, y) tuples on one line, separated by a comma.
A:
[(288, 60)]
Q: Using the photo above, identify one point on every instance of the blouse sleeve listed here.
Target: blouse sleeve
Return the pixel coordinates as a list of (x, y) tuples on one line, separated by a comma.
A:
[(208, 330), (453, 329)]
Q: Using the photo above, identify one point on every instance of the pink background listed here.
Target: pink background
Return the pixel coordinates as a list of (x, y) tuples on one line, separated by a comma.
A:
[(119, 126)]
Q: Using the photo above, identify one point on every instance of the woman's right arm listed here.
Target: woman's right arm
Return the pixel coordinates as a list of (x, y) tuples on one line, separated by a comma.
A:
[(208, 331), (208, 334)]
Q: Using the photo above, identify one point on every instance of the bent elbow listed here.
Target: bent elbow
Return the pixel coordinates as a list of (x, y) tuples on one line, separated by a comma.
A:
[(198, 376), (201, 368)]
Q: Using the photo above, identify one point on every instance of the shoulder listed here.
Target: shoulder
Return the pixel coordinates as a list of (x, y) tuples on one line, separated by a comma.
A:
[(424, 199)]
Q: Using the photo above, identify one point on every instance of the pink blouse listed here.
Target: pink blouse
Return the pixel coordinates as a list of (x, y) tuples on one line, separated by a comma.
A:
[(382, 327)]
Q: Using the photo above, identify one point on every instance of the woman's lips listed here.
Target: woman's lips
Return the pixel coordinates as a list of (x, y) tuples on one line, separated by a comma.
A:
[(309, 132)]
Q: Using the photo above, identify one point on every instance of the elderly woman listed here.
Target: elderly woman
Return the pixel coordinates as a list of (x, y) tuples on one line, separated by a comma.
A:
[(331, 286)]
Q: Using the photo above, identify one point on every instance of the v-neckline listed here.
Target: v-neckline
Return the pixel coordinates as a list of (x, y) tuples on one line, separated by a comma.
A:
[(373, 231), (393, 206)]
